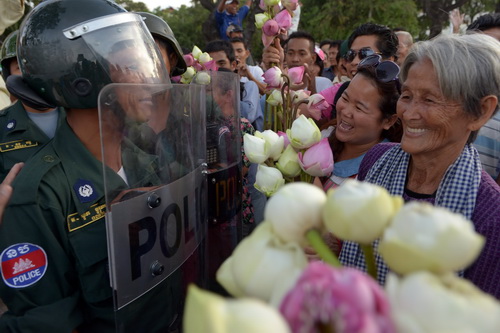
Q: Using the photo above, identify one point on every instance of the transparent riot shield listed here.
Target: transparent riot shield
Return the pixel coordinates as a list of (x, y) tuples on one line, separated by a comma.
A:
[(224, 169), (153, 147)]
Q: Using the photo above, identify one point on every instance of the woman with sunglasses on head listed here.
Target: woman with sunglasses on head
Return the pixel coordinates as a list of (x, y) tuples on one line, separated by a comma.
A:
[(366, 40), (450, 88), (366, 115)]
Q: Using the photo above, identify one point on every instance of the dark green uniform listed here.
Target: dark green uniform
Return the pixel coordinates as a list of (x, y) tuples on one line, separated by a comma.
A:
[(20, 137), (58, 205)]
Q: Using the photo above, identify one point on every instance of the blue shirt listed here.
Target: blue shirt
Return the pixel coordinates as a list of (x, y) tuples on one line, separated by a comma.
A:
[(225, 19)]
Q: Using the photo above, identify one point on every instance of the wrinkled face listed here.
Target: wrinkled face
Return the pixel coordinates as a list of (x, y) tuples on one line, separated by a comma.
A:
[(221, 60), (493, 32), (240, 52), (298, 53), (232, 8), (368, 41), (359, 118), (332, 55), (433, 125)]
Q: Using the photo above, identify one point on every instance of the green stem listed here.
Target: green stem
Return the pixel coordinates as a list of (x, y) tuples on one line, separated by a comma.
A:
[(371, 266), (319, 245)]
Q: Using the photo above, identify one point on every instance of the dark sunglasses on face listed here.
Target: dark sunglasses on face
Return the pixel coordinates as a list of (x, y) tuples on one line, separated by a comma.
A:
[(386, 71), (361, 53)]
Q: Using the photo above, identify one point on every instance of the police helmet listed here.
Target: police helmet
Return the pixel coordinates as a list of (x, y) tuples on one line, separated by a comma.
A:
[(8, 52), (159, 28), (68, 50)]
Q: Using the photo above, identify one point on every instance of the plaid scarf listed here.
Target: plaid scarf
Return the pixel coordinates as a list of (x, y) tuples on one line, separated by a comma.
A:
[(457, 192)]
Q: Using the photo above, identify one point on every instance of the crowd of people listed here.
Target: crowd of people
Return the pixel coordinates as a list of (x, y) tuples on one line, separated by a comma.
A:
[(418, 118)]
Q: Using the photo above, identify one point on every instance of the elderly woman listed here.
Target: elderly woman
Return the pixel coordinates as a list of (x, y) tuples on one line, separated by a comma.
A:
[(451, 87)]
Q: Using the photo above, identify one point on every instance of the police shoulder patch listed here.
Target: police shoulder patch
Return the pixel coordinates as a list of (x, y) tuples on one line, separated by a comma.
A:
[(85, 190), (23, 265)]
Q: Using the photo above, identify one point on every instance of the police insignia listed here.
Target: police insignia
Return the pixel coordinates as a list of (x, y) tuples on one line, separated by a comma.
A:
[(11, 125), (85, 191), (23, 265), (77, 221)]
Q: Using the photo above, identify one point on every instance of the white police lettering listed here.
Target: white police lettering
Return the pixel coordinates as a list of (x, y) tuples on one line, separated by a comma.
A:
[(26, 276), (86, 191)]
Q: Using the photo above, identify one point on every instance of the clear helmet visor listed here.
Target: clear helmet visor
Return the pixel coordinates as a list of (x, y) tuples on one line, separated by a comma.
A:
[(124, 46)]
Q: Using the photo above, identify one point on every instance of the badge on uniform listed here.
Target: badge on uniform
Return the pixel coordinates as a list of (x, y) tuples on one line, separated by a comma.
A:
[(85, 191), (23, 265), (10, 125)]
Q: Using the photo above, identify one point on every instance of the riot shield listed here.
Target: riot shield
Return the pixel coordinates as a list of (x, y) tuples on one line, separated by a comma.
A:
[(153, 147), (224, 169)]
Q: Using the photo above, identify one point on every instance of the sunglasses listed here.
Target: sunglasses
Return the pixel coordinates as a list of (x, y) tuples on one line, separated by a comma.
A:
[(385, 71), (361, 53)]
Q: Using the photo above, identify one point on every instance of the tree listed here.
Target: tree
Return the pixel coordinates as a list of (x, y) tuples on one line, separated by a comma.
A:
[(337, 19)]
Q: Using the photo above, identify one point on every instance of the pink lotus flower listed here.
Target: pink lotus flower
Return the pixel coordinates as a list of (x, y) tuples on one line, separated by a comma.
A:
[(189, 59), (284, 19), (344, 299), (285, 137), (210, 65), (296, 74), (318, 159), (270, 28), (273, 77), (176, 79), (317, 104)]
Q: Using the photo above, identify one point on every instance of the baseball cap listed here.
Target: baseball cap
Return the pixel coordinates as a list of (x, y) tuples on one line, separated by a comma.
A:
[(228, 2)]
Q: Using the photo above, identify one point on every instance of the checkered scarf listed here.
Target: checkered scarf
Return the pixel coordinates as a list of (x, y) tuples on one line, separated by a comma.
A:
[(457, 192)]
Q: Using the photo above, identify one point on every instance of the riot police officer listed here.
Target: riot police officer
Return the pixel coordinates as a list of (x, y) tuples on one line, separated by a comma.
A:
[(25, 129), (53, 237)]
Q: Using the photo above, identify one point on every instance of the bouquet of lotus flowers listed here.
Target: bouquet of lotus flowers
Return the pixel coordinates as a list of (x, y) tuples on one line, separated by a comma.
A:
[(276, 289), (197, 62), (281, 101), (284, 157)]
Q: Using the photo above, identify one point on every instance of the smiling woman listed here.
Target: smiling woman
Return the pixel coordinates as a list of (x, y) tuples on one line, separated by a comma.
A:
[(451, 87)]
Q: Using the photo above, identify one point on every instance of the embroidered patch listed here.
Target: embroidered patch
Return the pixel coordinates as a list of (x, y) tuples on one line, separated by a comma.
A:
[(11, 125), (77, 221), (23, 265), (85, 191), (18, 144)]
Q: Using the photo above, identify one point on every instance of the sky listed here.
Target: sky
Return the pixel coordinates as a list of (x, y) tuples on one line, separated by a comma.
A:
[(152, 4)]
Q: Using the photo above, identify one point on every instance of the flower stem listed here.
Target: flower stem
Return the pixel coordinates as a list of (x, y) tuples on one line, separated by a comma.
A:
[(371, 266), (324, 252)]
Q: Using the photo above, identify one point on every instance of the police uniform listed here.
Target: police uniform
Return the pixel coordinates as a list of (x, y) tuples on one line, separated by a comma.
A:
[(20, 137), (54, 233)]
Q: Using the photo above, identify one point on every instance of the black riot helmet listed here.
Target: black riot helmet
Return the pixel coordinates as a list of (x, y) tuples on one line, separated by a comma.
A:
[(160, 29), (68, 50), (8, 52)]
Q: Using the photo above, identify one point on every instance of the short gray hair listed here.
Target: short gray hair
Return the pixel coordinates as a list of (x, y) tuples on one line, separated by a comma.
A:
[(467, 67)]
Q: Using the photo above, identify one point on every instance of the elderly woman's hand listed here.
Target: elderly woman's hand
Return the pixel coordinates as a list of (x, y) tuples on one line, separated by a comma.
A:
[(6, 188)]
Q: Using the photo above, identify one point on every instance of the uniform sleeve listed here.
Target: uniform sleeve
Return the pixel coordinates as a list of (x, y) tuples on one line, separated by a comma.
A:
[(45, 295)]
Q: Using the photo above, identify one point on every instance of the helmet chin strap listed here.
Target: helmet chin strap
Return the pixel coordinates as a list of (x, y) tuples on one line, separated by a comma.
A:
[(19, 89)]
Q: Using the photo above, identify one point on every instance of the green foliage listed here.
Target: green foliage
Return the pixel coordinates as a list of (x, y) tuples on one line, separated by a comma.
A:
[(337, 19), (186, 23), (133, 6)]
